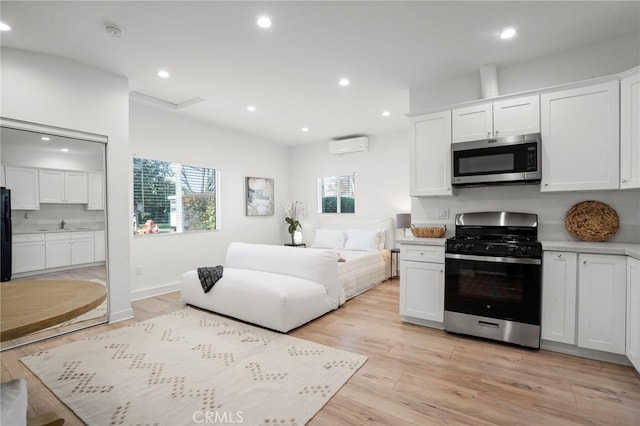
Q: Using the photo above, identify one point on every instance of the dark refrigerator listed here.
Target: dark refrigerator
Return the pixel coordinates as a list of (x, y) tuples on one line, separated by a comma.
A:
[(5, 244)]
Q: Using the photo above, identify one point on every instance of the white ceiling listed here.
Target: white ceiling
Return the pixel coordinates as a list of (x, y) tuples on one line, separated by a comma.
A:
[(215, 51)]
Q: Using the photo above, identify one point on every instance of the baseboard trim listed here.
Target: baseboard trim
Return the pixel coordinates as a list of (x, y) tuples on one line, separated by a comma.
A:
[(156, 291), (584, 352), (120, 316)]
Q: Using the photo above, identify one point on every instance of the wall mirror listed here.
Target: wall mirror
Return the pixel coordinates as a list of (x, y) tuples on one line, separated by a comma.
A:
[(57, 183)]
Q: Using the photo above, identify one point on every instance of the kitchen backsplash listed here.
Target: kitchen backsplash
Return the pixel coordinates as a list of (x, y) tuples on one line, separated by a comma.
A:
[(50, 215), (551, 208)]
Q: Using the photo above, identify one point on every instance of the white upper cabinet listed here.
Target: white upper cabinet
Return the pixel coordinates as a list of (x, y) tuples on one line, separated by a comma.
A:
[(96, 191), (581, 138), (509, 117), (519, 116), (59, 186), (430, 154), (630, 131), (23, 183)]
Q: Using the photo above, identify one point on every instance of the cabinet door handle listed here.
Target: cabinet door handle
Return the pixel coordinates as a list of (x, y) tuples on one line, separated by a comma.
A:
[(559, 256), (488, 134), (441, 271), (624, 181), (496, 133), (546, 184), (584, 262)]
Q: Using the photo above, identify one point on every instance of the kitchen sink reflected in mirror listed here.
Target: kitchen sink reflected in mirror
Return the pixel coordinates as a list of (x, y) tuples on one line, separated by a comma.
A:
[(57, 221)]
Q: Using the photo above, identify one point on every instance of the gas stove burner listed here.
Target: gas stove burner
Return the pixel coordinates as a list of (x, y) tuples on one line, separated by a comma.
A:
[(496, 234)]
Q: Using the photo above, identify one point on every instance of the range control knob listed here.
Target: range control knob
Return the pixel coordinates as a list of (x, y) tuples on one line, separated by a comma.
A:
[(512, 249), (525, 249), (458, 246), (488, 248), (468, 247)]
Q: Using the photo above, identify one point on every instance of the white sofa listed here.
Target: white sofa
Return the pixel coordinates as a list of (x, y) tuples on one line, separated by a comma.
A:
[(276, 287)]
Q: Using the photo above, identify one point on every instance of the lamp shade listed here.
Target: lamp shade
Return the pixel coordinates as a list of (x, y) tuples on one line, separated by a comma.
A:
[(403, 220)]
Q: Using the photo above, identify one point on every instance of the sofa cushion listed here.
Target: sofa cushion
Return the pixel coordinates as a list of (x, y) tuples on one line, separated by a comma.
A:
[(276, 301), (320, 266)]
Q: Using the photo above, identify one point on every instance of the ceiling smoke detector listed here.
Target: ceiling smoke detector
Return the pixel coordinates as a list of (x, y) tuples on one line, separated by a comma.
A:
[(113, 30)]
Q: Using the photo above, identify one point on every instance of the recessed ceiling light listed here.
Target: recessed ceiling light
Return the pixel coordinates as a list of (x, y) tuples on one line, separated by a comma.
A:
[(164, 74), (508, 33), (251, 108), (344, 82), (45, 138), (4, 27), (386, 113), (64, 149), (264, 22), (305, 129)]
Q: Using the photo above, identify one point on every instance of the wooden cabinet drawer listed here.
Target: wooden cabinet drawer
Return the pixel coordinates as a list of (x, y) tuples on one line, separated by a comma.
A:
[(84, 235), (420, 253), (28, 238), (58, 236)]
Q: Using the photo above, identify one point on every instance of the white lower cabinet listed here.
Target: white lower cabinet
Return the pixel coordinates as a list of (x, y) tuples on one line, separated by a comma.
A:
[(602, 302), (28, 253), (422, 282), (589, 288), (99, 246), (82, 247), (633, 312), (559, 285), (58, 249)]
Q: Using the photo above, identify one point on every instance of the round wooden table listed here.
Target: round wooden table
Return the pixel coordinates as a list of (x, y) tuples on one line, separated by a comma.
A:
[(28, 306)]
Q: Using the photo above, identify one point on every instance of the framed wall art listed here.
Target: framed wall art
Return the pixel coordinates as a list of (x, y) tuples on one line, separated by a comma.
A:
[(260, 198)]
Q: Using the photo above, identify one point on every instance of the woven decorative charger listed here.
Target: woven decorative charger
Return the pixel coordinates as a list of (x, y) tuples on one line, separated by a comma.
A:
[(592, 221), (428, 231)]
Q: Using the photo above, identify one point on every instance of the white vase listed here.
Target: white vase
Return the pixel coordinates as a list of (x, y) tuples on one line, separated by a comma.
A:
[(297, 237)]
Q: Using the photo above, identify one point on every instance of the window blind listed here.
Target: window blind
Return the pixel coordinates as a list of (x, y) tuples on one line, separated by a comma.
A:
[(336, 194), (170, 197)]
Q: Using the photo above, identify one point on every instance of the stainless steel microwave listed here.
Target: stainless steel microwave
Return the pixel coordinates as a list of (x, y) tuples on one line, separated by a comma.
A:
[(510, 160)]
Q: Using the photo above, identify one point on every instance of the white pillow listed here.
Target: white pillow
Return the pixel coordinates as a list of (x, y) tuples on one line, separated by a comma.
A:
[(328, 238), (362, 239)]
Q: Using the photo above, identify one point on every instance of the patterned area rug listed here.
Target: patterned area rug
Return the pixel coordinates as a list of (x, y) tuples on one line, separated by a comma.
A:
[(192, 367)]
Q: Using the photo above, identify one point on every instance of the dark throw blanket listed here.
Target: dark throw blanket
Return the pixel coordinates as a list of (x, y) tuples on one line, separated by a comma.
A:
[(209, 276)]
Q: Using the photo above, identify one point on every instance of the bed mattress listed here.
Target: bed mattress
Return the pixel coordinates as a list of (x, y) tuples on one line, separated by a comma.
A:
[(361, 270)]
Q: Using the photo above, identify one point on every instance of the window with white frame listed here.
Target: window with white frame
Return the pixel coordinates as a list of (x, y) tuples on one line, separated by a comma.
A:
[(170, 197), (336, 194)]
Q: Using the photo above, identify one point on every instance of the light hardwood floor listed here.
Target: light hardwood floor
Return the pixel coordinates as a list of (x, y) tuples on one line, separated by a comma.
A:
[(419, 376)]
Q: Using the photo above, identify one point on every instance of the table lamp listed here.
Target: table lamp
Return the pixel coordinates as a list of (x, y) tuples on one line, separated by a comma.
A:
[(403, 221)]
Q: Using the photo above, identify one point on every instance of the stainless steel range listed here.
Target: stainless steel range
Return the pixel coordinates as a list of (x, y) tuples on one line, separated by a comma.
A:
[(493, 284)]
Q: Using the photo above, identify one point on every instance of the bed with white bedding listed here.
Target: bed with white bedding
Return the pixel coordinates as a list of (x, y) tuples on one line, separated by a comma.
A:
[(361, 271), (365, 249)]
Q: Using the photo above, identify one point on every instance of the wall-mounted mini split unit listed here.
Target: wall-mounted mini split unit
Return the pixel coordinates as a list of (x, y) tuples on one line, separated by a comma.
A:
[(347, 145)]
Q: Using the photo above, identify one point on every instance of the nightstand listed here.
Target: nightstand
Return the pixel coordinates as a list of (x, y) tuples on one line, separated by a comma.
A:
[(296, 245), (396, 252)]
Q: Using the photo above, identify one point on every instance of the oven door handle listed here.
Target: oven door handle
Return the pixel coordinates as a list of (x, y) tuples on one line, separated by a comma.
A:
[(494, 259)]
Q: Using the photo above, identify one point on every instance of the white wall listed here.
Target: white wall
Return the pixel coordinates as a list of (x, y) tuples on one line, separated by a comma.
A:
[(551, 208), (162, 134), (599, 60), (382, 180), (57, 92)]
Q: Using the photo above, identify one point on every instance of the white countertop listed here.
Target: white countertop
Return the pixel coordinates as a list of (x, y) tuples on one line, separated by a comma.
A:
[(43, 230), (628, 249)]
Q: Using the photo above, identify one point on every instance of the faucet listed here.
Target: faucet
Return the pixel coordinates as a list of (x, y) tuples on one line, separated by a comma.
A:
[(62, 223)]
